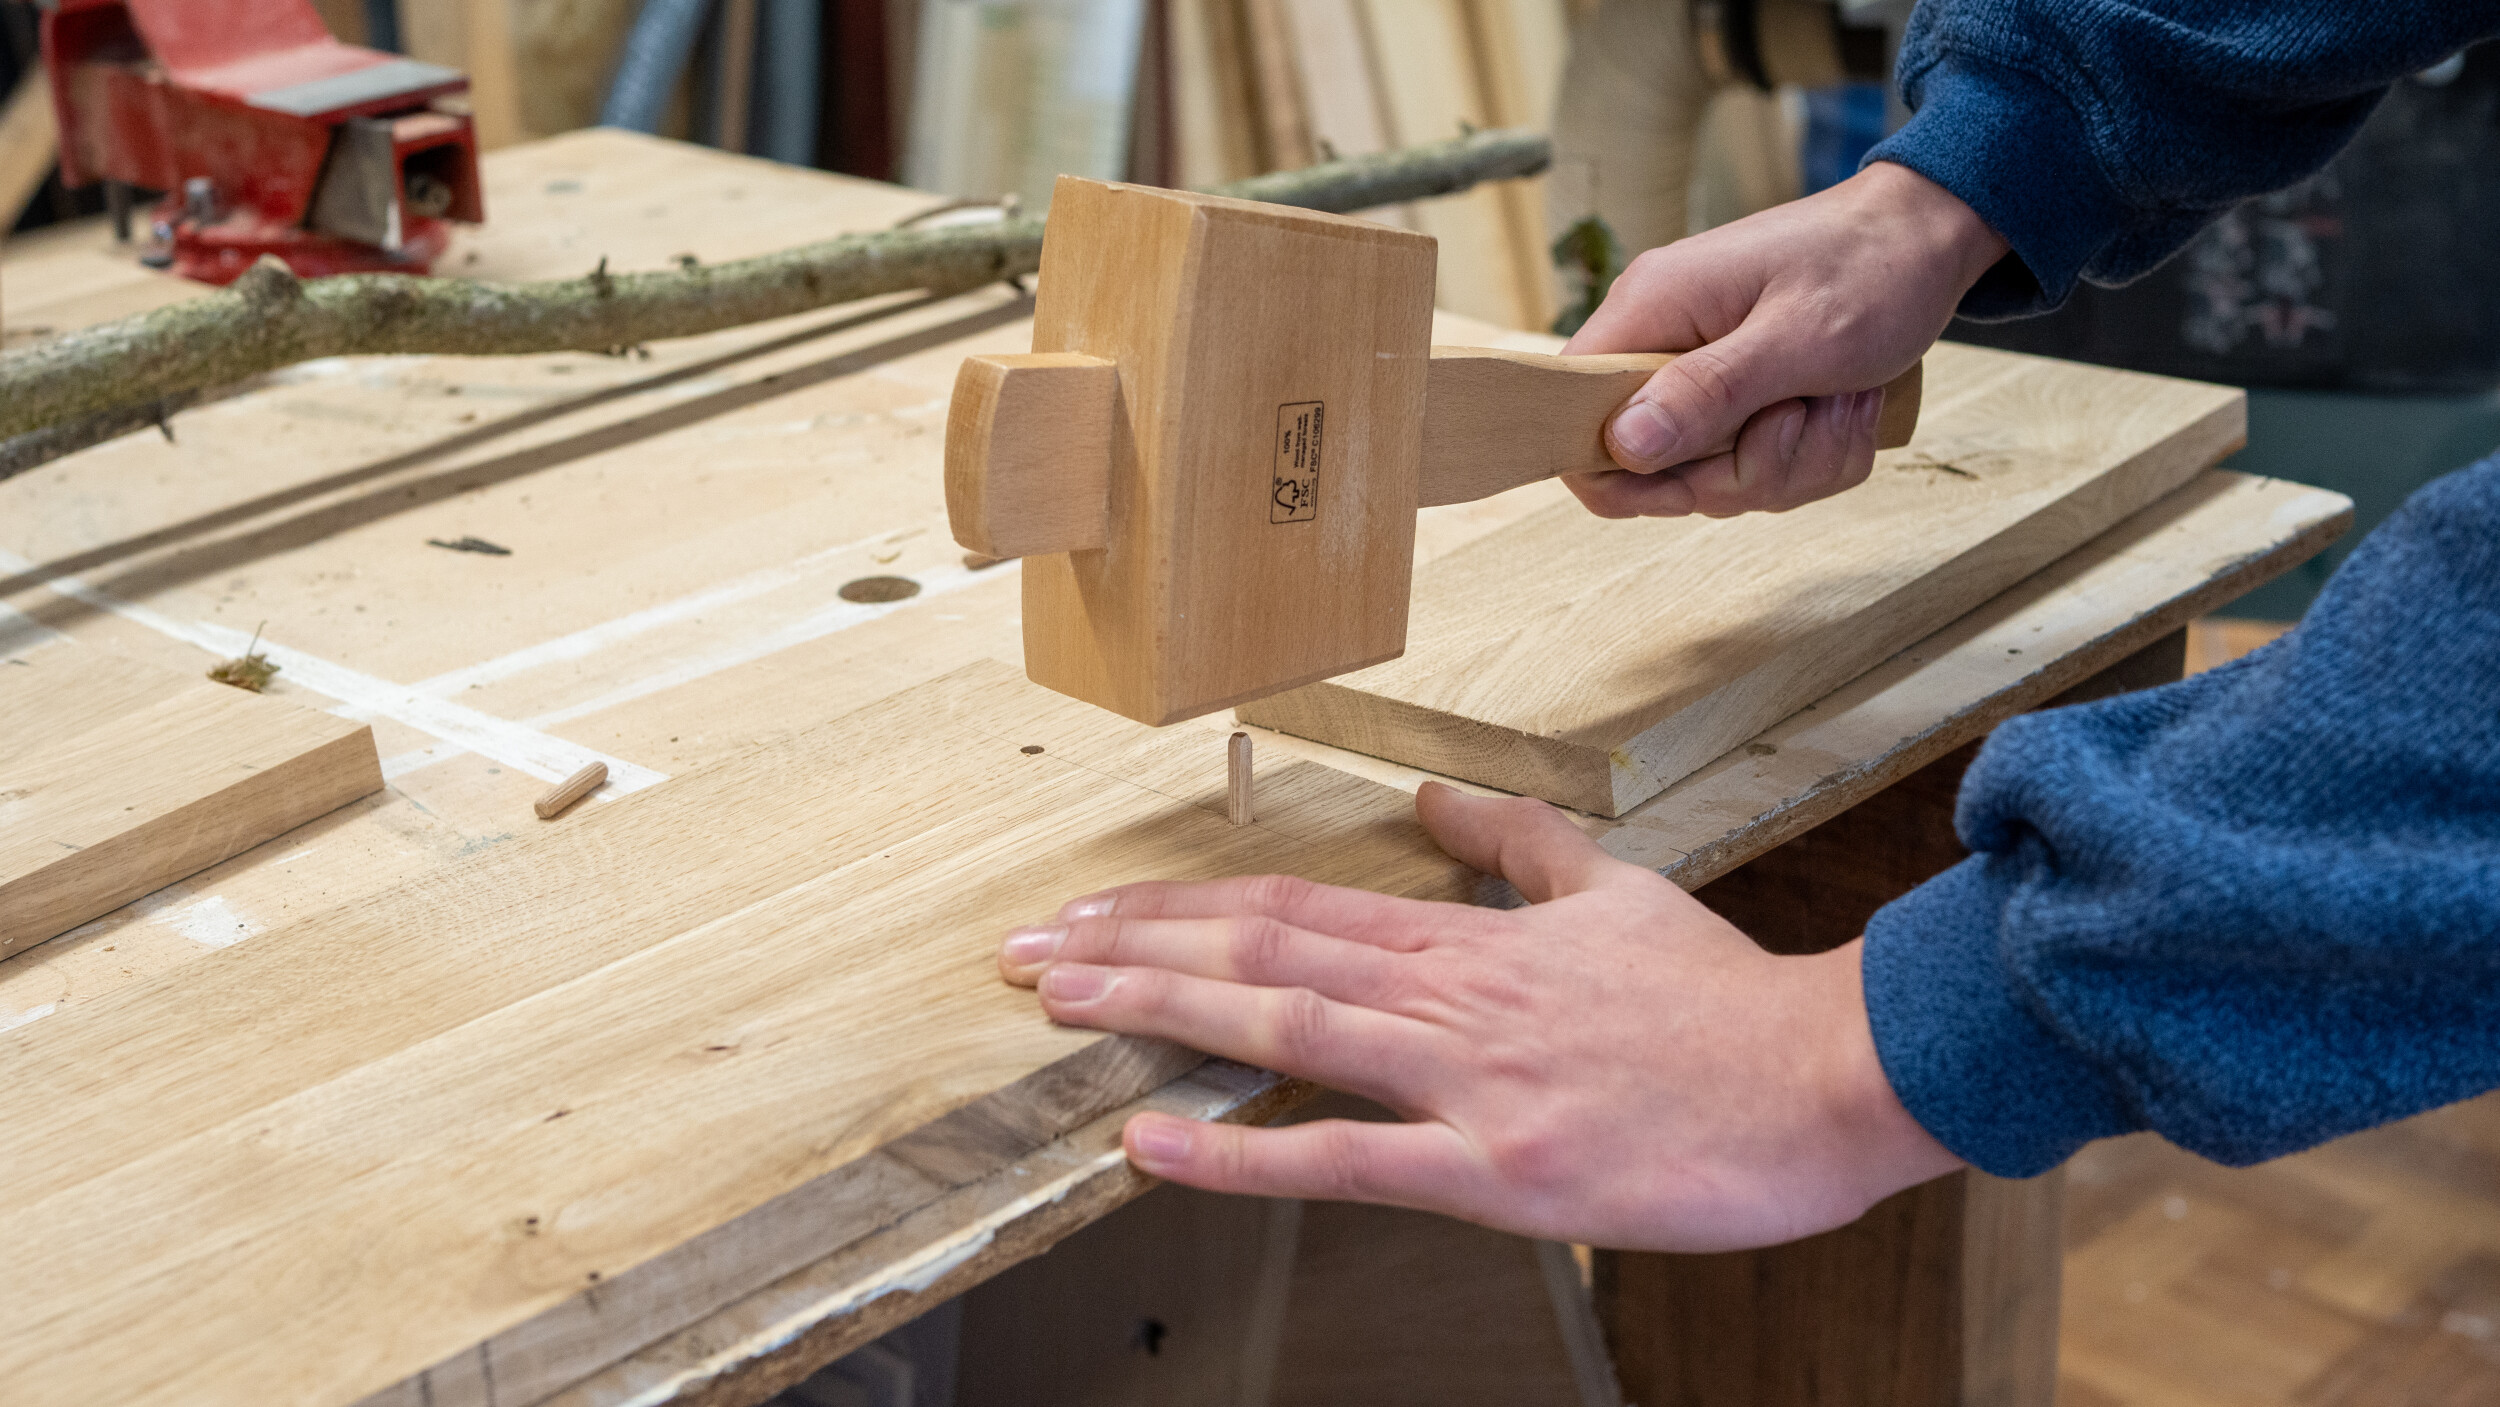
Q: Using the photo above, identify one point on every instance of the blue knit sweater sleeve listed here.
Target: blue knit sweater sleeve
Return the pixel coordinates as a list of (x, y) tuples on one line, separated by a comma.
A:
[(2252, 910), (2097, 136)]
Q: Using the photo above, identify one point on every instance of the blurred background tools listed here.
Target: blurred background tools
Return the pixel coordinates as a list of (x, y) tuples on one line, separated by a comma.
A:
[(264, 133)]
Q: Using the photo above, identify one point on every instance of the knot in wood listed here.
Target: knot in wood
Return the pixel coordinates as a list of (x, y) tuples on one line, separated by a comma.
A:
[(269, 284)]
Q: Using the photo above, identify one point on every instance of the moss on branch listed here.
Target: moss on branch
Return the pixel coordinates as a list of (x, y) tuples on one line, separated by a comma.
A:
[(75, 388)]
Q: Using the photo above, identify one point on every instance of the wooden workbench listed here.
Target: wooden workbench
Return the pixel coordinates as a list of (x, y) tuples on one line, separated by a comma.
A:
[(679, 523)]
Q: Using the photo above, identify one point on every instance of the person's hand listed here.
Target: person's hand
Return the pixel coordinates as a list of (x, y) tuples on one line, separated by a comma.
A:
[(1613, 1064), (1786, 319)]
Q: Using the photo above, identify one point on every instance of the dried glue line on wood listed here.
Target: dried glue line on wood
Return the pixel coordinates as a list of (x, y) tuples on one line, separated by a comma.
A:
[(514, 745), (570, 790)]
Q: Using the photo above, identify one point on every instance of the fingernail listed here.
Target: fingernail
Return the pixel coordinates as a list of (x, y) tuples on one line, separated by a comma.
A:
[(1091, 906), (1162, 1141), (1792, 426), (1643, 431), (1870, 404), (1077, 984), (1031, 947)]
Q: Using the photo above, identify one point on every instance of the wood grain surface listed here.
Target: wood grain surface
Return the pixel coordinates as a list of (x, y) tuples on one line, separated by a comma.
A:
[(678, 525), (1593, 662), (361, 1143), (118, 778)]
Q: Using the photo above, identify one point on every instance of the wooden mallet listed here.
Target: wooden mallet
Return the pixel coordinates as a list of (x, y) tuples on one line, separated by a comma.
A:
[(1212, 458)]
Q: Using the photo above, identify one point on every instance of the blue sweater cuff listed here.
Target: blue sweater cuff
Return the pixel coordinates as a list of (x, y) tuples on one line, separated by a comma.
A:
[(1967, 1055), (1971, 119)]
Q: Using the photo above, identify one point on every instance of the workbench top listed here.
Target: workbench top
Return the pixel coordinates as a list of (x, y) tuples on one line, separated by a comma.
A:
[(678, 524)]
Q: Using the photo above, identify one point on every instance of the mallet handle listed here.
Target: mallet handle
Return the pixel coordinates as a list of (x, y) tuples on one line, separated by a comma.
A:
[(1028, 437), (1495, 419)]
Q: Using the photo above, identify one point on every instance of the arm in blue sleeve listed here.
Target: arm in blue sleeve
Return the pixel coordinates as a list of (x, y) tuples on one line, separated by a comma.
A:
[(2253, 910), (2098, 136)]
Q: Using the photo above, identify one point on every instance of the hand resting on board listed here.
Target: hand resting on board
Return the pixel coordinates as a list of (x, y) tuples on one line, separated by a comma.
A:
[(1612, 1064), (1785, 317)]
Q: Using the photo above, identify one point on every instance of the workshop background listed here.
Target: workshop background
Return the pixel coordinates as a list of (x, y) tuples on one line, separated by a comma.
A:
[(2361, 309)]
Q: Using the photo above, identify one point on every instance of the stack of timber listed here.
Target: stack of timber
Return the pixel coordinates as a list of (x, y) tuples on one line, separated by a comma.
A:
[(1197, 93), (118, 778), (1359, 76)]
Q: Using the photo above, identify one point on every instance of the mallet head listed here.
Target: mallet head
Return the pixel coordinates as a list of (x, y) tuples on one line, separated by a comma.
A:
[(1257, 374)]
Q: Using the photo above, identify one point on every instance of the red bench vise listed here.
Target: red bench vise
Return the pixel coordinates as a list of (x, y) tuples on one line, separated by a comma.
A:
[(266, 135)]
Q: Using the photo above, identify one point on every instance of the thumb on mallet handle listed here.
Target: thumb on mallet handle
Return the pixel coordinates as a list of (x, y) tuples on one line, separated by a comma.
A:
[(1496, 419)]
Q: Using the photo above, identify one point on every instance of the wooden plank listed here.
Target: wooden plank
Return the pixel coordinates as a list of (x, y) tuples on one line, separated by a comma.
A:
[(2139, 582), (1332, 54), (29, 144), (1284, 124), (1008, 97), (474, 36), (1551, 691), (696, 1058), (345, 19), (735, 79), (2206, 545), (1428, 80), (1214, 105), (1520, 47), (118, 778)]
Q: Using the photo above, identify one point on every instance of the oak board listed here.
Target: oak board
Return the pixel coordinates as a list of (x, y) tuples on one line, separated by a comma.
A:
[(312, 1166), (1593, 663), (118, 778)]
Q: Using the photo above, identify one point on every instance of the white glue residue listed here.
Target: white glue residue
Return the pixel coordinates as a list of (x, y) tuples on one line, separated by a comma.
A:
[(209, 922), (11, 1020)]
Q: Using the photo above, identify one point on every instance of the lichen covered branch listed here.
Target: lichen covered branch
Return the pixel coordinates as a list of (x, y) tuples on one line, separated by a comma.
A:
[(269, 318)]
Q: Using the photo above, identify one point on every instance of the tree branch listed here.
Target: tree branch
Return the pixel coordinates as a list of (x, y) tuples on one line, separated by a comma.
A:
[(109, 375)]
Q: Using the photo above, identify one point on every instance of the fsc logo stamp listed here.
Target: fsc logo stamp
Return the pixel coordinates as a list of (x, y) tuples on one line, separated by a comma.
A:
[(1295, 497)]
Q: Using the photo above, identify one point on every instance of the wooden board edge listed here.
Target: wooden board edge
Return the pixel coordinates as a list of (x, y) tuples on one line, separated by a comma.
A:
[(305, 787), (1609, 766), (1564, 772), (750, 1350), (1672, 748), (576, 1337), (1838, 791)]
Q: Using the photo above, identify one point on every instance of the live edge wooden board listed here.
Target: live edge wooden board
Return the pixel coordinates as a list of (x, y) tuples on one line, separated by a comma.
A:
[(1592, 663), (490, 1101)]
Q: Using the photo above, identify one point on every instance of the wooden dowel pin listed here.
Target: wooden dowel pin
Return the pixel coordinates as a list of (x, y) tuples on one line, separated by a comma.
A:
[(572, 789), (1238, 755)]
